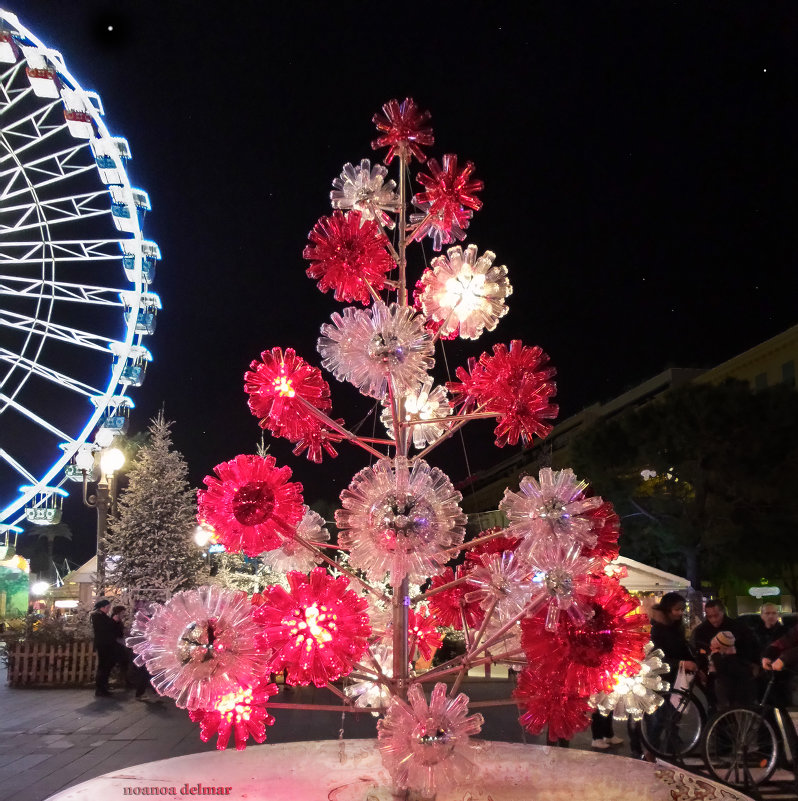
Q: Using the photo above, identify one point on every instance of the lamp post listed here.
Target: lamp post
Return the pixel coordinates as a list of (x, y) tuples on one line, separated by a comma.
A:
[(104, 500)]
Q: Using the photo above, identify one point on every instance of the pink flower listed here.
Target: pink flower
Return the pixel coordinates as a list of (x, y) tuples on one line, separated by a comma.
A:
[(447, 203), (514, 383), (345, 252), (241, 713), (276, 383), (317, 629), (403, 130), (251, 505)]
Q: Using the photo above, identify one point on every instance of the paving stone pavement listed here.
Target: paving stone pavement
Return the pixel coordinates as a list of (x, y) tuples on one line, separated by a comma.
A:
[(56, 738)]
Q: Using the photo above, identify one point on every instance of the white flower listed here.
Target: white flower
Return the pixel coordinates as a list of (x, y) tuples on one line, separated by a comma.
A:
[(424, 404), (292, 555), (364, 189)]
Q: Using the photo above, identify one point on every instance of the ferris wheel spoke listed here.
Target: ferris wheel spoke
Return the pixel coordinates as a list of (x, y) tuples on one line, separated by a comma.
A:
[(59, 211), (38, 289), (49, 374), (57, 332), (40, 421), (18, 181), (23, 472), (63, 250)]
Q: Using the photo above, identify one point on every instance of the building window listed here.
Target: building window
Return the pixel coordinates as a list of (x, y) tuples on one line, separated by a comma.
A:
[(788, 374), (760, 381)]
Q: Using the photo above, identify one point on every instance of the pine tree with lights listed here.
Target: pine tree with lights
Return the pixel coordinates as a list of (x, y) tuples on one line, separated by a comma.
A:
[(150, 539), (536, 593)]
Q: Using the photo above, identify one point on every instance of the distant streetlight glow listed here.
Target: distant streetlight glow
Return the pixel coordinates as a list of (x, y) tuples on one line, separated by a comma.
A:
[(40, 588)]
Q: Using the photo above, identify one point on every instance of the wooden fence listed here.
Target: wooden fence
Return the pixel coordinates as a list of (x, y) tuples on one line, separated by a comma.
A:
[(46, 664)]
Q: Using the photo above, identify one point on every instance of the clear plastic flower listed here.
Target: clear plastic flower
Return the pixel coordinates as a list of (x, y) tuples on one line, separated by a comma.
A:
[(564, 580), (637, 695), (465, 293), (374, 692), (317, 629), (425, 747), (404, 129), (400, 519), (554, 507), (447, 203), (199, 646), (513, 383), (375, 346), (292, 555), (364, 189), (502, 582), (241, 713), (251, 505), (424, 404), (345, 252)]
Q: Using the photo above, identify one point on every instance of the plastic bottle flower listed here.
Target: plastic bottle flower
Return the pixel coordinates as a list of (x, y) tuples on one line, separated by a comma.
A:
[(515, 384), (251, 505), (449, 607), (364, 189), (317, 629), (292, 555), (638, 695), (201, 645), (465, 294), (275, 386), (423, 634), (374, 692), (593, 652), (501, 583), (345, 252), (563, 580), (423, 746), (606, 525), (317, 439), (554, 507), (404, 130), (448, 204), (372, 348), (544, 700), (400, 519), (424, 404), (241, 713), (497, 544)]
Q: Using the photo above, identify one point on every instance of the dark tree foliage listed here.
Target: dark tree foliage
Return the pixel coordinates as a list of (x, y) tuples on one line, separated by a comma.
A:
[(722, 506)]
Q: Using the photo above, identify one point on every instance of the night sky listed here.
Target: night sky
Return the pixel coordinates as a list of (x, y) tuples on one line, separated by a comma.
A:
[(638, 158)]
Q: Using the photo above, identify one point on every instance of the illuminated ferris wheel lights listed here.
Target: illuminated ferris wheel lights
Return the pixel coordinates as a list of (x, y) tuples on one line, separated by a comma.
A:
[(9, 52)]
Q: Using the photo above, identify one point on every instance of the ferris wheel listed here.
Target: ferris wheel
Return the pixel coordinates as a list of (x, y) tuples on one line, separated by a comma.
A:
[(76, 303)]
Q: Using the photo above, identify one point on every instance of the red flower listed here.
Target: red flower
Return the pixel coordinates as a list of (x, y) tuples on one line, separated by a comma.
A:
[(496, 545), (316, 438), (448, 607), (275, 386), (447, 203), (404, 130), (241, 713), (423, 633), (586, 657), (607, 527), (541, 694), (514, 383), (345, 252), (251, 505), (317, 629)]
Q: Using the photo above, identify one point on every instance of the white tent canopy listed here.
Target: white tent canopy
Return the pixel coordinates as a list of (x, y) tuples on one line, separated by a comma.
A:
[(643, 578)]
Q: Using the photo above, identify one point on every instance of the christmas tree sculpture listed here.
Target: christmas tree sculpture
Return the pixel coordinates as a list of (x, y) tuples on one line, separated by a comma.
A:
[(536, 593)]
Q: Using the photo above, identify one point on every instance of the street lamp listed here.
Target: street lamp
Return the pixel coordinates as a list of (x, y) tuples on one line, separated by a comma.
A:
[(110, 461)]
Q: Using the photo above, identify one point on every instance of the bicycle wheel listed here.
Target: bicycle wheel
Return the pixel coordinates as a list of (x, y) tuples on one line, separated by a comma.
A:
[(741, 747), (674, 729)]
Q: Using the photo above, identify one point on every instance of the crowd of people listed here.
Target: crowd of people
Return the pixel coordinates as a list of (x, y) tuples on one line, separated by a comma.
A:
[(108, 625)]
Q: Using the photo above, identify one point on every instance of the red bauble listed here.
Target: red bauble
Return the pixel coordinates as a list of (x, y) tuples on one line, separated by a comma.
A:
[(317, 629), (607, 527), (345, 251), (515, 384), (251, 505), (404, 129)]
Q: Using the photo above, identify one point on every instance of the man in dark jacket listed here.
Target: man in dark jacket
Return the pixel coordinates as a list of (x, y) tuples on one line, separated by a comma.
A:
[(105, 634), (738, 667), (767, 629)]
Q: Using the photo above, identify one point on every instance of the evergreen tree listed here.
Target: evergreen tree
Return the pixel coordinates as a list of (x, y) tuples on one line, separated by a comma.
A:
[(151, 536)]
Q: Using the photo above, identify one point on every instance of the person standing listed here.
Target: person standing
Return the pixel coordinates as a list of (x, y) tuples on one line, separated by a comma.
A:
[(105, 633), (768, 628), (602, 732)]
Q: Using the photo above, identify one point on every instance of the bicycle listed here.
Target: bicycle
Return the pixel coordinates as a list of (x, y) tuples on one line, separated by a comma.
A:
[(741, 747), (674, 730)]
